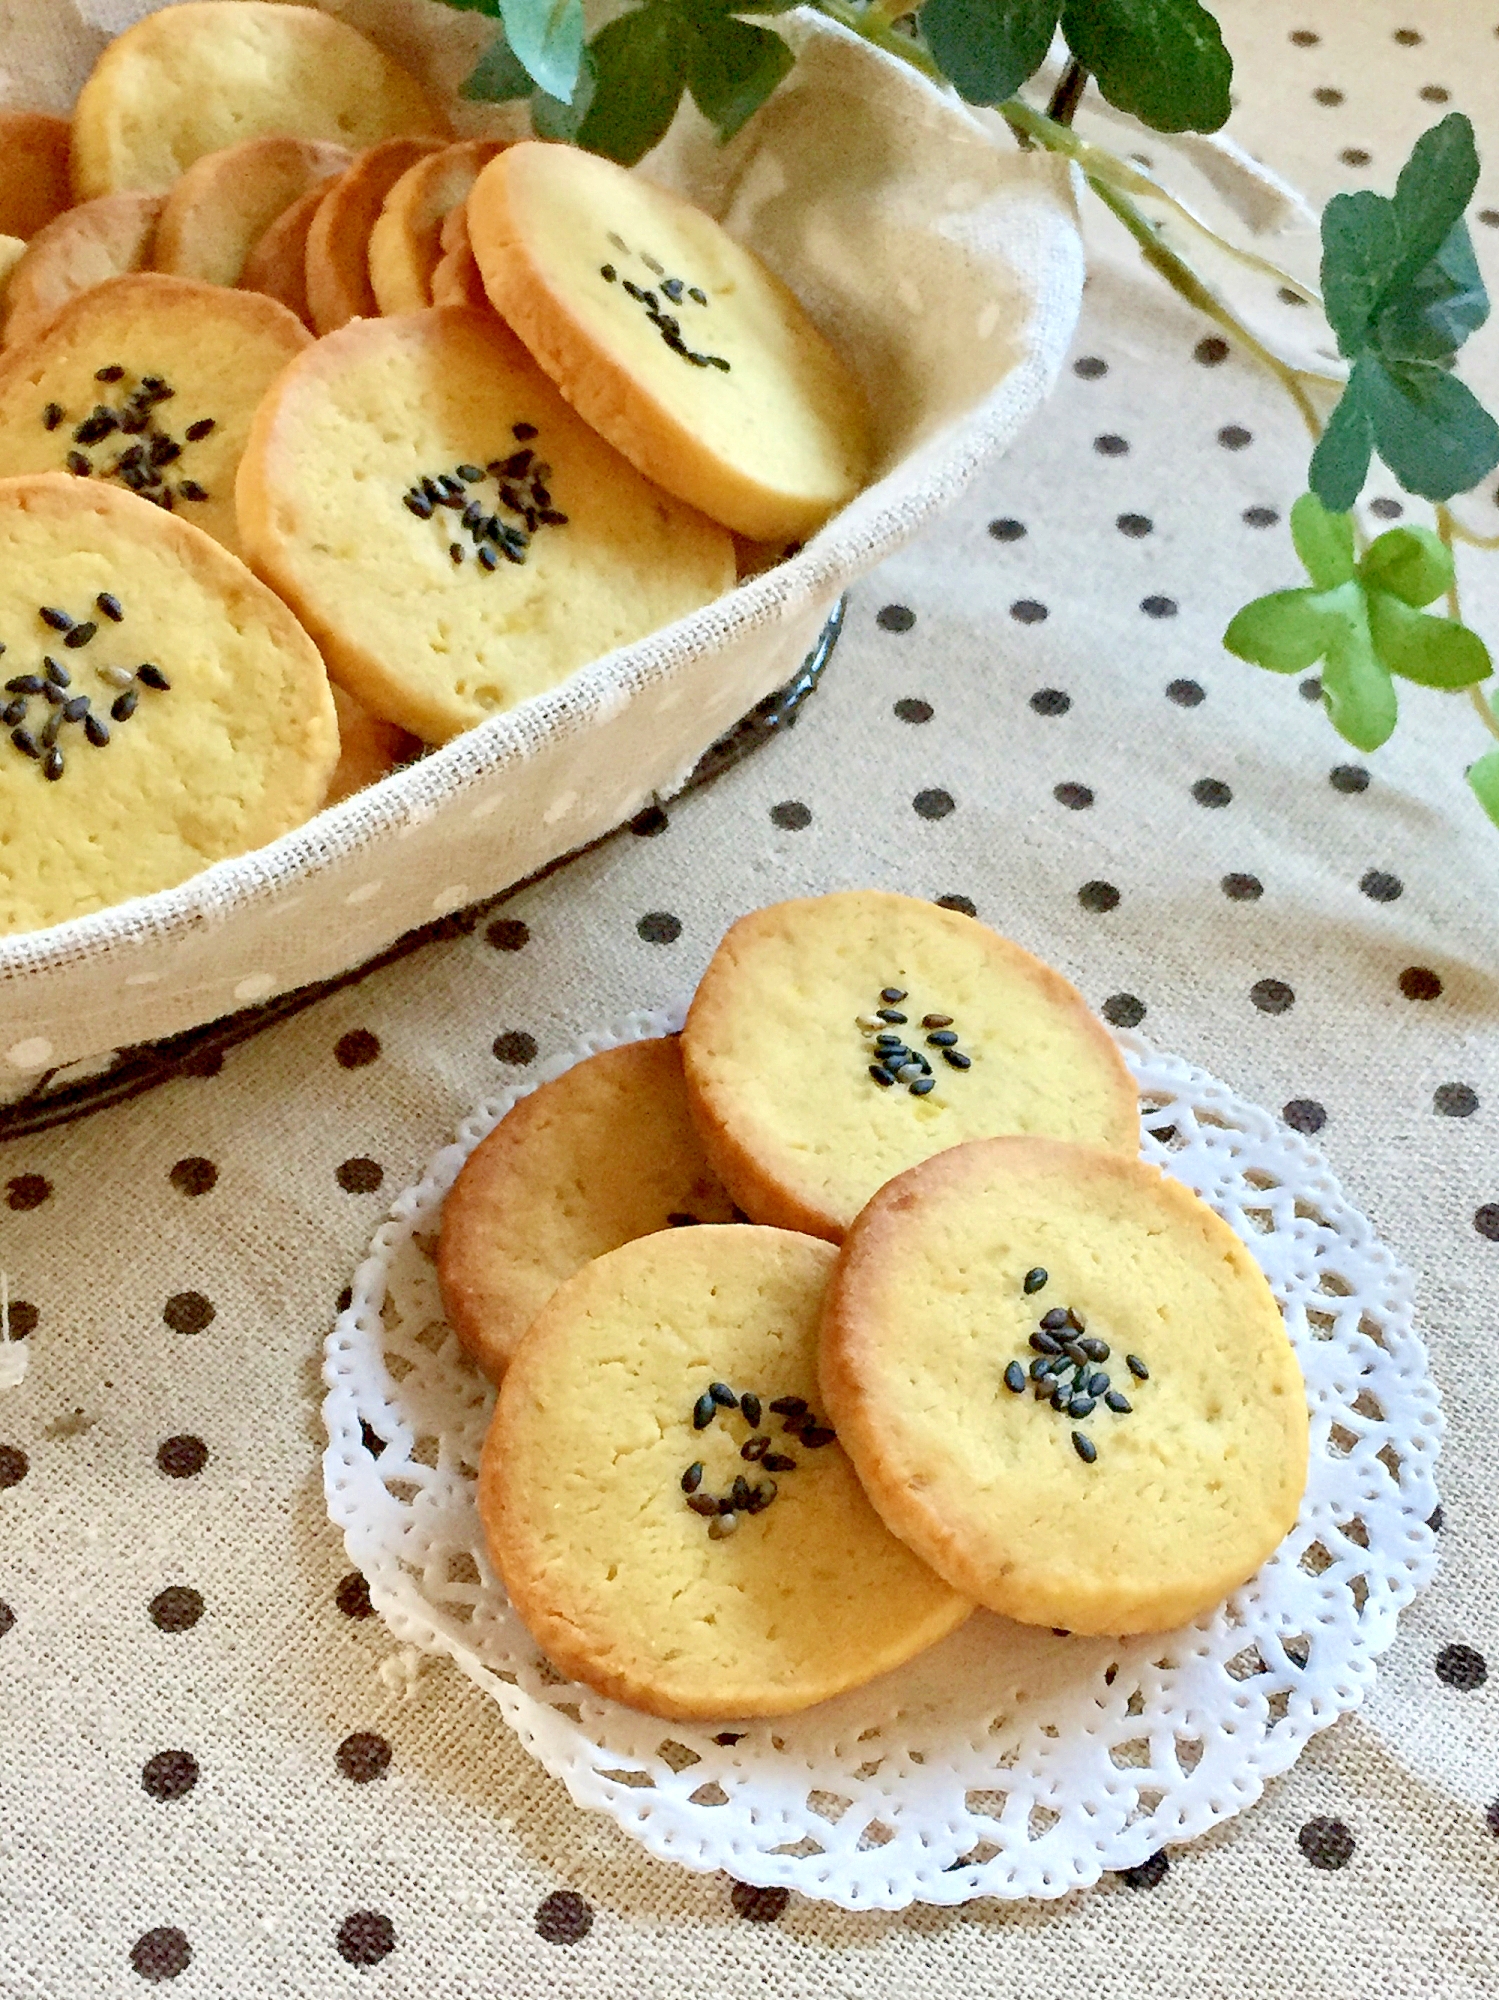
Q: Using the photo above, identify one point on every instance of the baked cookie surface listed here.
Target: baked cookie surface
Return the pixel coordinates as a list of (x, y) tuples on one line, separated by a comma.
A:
[(222, 206), (600, 1155), (148, 384), (441, 603), (836, 1040), (338, 242), (162, 709), (610, 1543), (671, 338), (36, 185), (192, 79), (1162, 1456), (406, 239), (84, 247)]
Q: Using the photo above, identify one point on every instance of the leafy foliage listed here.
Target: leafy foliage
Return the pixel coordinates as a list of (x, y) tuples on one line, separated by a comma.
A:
[(1163, 61), (1402, 293), (1484, 778), (1361, 618)]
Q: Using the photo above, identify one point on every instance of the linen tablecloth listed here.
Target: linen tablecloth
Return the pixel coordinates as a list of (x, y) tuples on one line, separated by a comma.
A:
[(217, 1768)]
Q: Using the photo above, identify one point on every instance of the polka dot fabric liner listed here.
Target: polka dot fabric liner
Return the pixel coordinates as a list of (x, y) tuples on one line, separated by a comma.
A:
[(1004, 1762)]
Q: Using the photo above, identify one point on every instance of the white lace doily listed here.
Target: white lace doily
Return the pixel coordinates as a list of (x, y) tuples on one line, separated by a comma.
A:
[(1006, 1761)]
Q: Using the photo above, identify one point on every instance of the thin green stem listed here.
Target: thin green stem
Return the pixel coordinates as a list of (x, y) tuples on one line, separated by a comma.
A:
[(1470, 540), (871, 23)]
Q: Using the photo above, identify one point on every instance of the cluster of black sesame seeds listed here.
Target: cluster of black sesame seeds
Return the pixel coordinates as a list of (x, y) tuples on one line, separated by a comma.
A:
[(894, 1062), (798, 1424), (674, 291), (64, 708), (142, 450), (522, 489), (1066, 1370)]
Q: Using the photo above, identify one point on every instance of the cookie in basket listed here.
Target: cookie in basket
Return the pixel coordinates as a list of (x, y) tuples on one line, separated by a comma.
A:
[(671, 1519), (1066, 1384), (836, 1040), (162, 710), (405, 244), (368, 749), (85, 247), (338, 243), (672, 339), (222, 206), (451, 533), (600, 1155), (148, 383), (190, 80), (35, 187), (277, 265)]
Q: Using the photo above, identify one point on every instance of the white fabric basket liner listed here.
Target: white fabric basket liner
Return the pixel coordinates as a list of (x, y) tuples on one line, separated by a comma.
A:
[(947, 267), (1006, 1761)]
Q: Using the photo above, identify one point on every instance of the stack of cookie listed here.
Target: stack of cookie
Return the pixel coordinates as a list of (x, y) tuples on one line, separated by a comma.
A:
[(476, 413), (848, 1310)]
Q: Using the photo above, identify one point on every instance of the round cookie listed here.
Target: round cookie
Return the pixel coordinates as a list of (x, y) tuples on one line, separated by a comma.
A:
[(672, 339), (458, 281), (87, 246), (438, 615), (190, 80), (600, 1155), (277, 266), (796, 1097), (225, 202), (368, 749), (1127, 1504), (35, 186), (12, 250), (211, 354), (188, 719), (405, 244), (582, 1488), (338, 243)]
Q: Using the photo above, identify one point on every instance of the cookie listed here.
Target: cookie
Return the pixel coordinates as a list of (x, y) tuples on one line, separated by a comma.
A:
[(368, 749), (837, 1040), (338, 244), (672, 339), (1157, 1464), (193, 79), (405, 245), (89, 245), (600, 1155), (148, 383), (597, 1485), (439, 611), (162, 709), (277, 266), (225, 202), (12, 250), (458, 281), (35, 187)]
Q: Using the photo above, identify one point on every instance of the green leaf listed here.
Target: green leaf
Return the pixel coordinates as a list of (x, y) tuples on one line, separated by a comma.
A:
[(1360, 253), (1429, 428), (498, 76), (547, 38), (1484, 778), (732, 68), (1414, 563), (1340, 463), (1161, 60), (989, 47), (1357, 687), (1324, 542), (641, 65), (1437, 652), (489, 7), (1444, 302), (1286, 632), (1435, 186), (552, 119)]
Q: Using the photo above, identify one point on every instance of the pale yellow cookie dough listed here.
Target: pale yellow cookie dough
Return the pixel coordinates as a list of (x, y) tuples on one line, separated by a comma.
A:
[(235, 750), (620, 1582), (84, 247), (1093, 1519), (778, 1063), (405, 244), (222, 206), (338, 243)]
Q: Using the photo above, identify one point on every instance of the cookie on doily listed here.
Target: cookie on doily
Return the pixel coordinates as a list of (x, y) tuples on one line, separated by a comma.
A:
[(600, 1155), (1066, 1383), (670, 1518), (148, 383), (671, 338), (162, 709), (836, 1040), (451, 533)]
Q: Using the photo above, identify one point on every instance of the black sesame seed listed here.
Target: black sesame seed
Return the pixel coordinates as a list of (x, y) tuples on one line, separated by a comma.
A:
[(701, 297), (94, 429), (470, 473), (52, 727), (1060, 1397), (78, 465), (550, 518), (1040, 1367), (703, 1412), (881, 1075), (488, 559), (1085, 1448), (203, 428), (673, 289), (749, 1403), (891, 1014), (923, 1085), (1137, 1367), (153, 677), (633, 289), (13, 711), (53, 415), (56, 672), (692, 1478), (191, 490), (1045, 1342), (723, 1395), (1015, 1378), (113, 373), (110, 605), (76, 709), (1094, 1348), (81, 634), (944, 1038), (25, 742), (96, 731), (789, 1406), (936, 1020), (703, 1503), (473, 516), (455, 550), (165, 451), (53, 766), (517, 464), (892, 995), (886, 1038), (53, 693), (777, 1461), (123, 707), (608, 273), (58, 620), (754, 1448), (522, 431), (1075, 1354), (761, 1497), (956, 1059), (164, 499), (25, 684), (1119, 1402), (739, 1493), (1098, 1385), (1056, 1318), (727, 1504), (817, 1435)]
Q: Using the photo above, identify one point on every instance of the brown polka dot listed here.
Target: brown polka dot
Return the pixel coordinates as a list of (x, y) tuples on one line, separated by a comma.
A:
[(363, 1757), (1461, 1667), (1234, 437), (508, 934), (1242, 888), (7, 1618), (23, 1317), (791, 815), (1098, 897), (1349, 778), (911, 709), (1433, 93), (563, 1918), (1123, 1010), (161, 1954), (1050, 701), (365, 1937), (659, 927), (188, 1312), (1387, 510), (194, 1176), (895, 618), (1454, 1100), (1272, 996), (1326, 1843), (1304, 1115), (27, 1191), (1090, 367), (1408, 38), (1007, 530), (170, 1774), (515, 1046), (1211, 351), (1075, 797), (1419, 982), (1260, 517), (758, 1906), (359, 1175), (1212, 792), (650, 821), (14, 1465), (1147, 1874), (177, 1608), (1486, 1220), (1327, 95), (1304, 38), (353, 1596), (182, 1457), (1354, 156), (356, 1049), (962, 904), (1028, 611), (935, 804), (1111, 445)]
